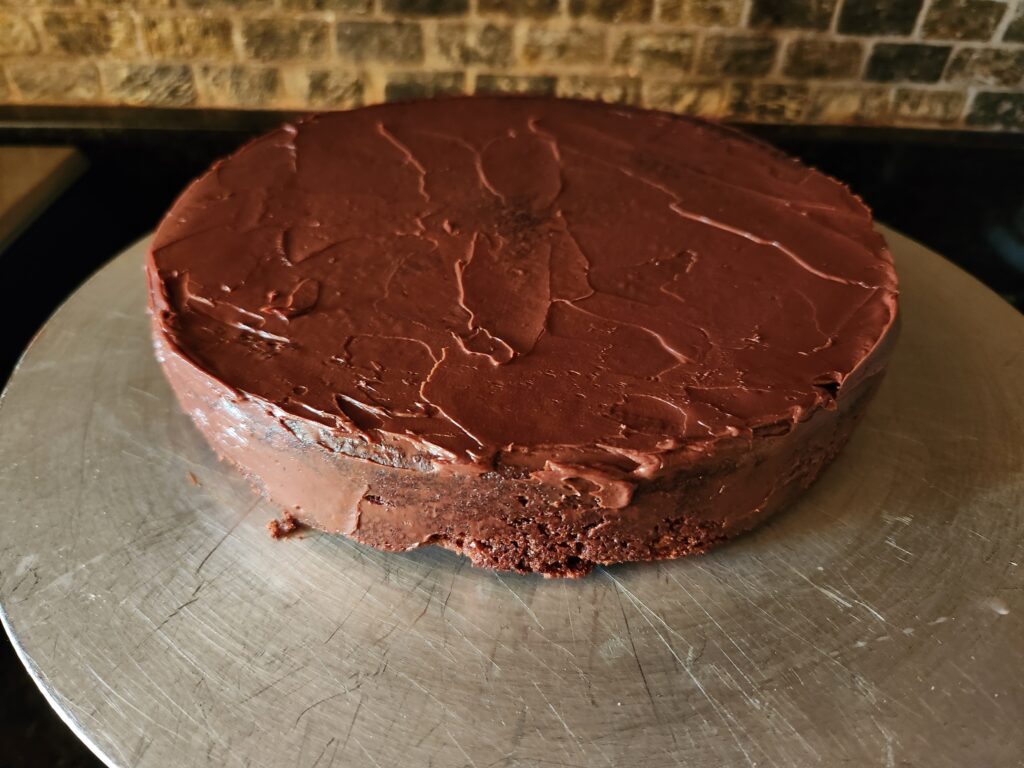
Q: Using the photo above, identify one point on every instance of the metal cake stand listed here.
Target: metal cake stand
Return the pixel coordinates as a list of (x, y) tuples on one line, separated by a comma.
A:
[(880, 622)]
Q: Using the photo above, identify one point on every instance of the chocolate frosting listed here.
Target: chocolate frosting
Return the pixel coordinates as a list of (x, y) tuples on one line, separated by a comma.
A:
[(573, 289)]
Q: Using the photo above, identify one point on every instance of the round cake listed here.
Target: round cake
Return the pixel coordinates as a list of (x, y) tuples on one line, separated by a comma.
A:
[(546, 334)]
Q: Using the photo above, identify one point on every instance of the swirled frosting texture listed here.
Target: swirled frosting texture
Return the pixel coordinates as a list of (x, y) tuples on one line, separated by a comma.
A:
[(545, 283)]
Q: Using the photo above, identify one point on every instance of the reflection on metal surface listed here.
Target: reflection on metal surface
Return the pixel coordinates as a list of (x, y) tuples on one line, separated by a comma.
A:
[(878, 622)]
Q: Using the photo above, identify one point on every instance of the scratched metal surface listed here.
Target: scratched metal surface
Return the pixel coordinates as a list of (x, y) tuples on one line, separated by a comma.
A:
[(880, 622)]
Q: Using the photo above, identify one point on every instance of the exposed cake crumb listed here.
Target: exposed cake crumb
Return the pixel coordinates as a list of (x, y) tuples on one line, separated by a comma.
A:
[(286, 526)]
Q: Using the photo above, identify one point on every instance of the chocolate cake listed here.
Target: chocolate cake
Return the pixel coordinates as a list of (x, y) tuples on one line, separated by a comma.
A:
[(546, 334)]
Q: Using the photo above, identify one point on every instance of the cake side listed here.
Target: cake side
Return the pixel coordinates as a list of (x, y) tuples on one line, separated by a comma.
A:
[(507, 519)]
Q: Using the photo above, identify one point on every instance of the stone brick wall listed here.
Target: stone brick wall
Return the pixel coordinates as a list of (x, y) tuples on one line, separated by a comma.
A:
[(922, 63)]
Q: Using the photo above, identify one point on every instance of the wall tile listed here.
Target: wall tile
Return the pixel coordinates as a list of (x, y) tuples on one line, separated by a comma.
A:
[(926, 106), (768, 102), (231, 85), (997, 110), (426, 7), (1015, 31), (17, 35), (240, 5), (811, 58), (529, 8), (330, 88), (461, 43), (56, 83), (849, 104), (537, 84), (706, 13), (26, 5), (283, 38), (879, 17), (161, 85), (616, 90), (895, 62), (987, 66), (703, 99), (342, 7), (385, 42), (689, 56), (792, 14), (124, 5), (738, 56), (90, 33), (421, 85), (556, 46), (647, 52), (612, 10), (963, 19), (188, 37)]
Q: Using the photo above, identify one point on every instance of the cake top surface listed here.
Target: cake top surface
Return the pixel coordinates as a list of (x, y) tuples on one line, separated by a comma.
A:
[(489, 277)]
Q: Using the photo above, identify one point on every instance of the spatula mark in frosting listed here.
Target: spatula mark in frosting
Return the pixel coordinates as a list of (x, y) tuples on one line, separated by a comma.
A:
[(678, 208), (408, 157), (768, 243)]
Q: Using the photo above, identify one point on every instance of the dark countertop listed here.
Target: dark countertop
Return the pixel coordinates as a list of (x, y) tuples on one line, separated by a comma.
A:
[(958, 193)]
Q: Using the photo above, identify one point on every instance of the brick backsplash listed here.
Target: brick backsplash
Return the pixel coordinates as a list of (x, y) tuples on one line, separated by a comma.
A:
[(916, 63)]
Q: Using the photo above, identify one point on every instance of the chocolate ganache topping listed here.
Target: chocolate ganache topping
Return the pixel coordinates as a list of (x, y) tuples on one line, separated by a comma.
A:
[(568, 288)]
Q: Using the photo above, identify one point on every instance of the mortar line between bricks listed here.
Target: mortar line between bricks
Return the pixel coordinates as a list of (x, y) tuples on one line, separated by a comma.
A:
[(1013, 8), (917, 33)]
